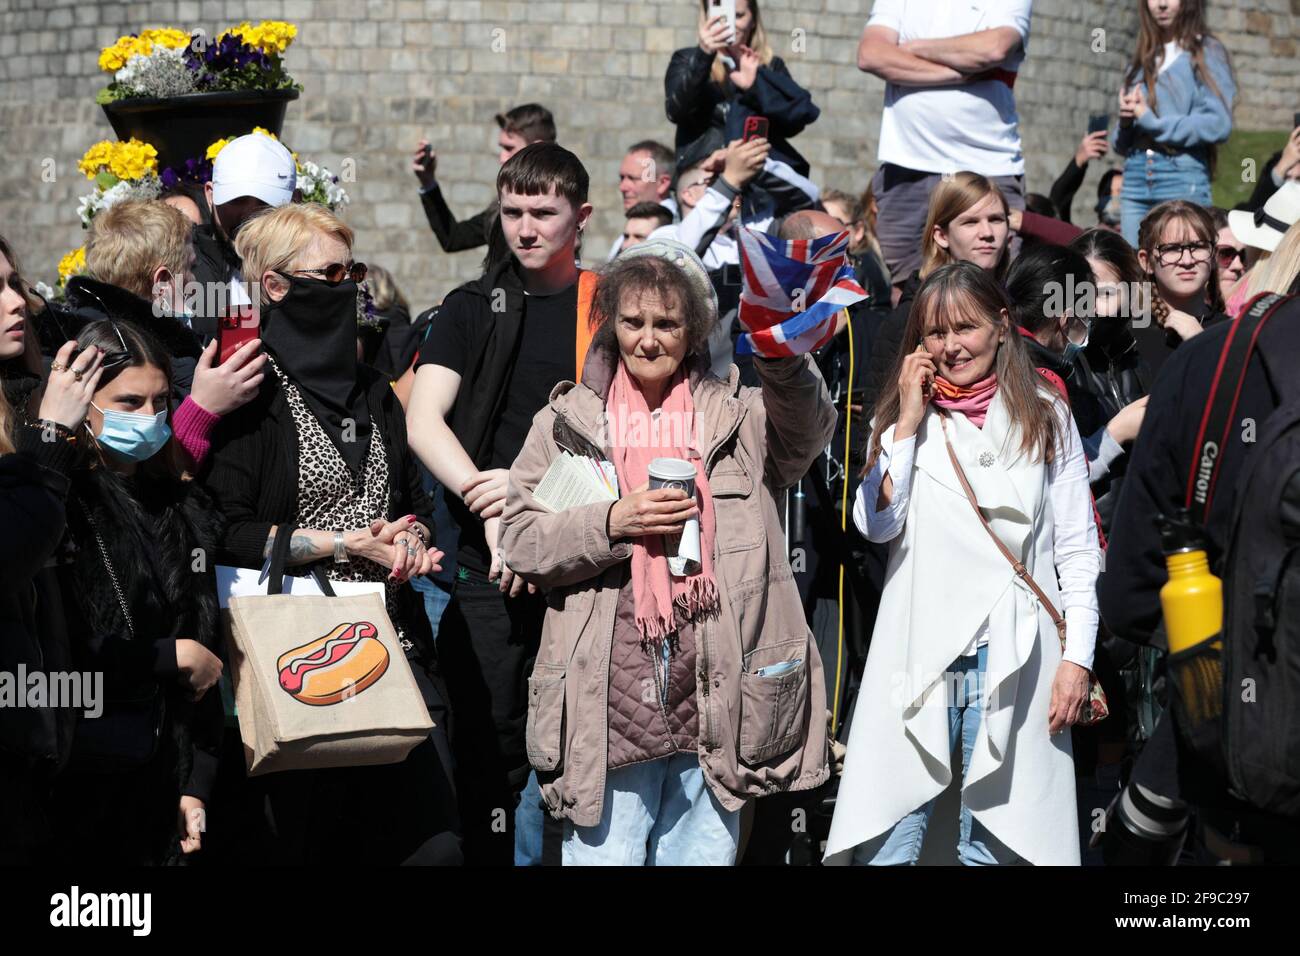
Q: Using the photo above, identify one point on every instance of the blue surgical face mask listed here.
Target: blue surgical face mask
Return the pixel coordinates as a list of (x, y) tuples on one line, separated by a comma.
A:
[(1072, 347), (132, 435)]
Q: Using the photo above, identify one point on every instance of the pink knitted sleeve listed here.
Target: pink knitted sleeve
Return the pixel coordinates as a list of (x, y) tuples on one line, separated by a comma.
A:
[(193, 425)]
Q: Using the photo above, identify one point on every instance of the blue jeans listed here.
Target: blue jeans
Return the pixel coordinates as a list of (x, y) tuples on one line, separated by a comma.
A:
[(901, 844), (436, 598), (656, 813), (529, 822), (1153, 178)]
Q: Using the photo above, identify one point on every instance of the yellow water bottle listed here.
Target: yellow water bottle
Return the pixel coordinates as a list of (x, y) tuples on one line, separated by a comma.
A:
[(1192, 602)]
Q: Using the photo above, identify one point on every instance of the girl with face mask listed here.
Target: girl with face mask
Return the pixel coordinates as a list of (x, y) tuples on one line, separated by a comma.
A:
[(1112, 366), (140, 609), (1048, 288), (984, 666)]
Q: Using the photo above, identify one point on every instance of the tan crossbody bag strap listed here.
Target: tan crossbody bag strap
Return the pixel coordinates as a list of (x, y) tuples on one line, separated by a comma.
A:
[(1021, 571)]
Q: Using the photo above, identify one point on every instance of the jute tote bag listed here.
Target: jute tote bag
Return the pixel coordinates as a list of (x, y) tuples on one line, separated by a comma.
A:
[(320, 681)]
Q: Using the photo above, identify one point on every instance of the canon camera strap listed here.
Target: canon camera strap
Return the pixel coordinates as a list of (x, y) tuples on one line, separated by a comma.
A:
[(1221, 406)]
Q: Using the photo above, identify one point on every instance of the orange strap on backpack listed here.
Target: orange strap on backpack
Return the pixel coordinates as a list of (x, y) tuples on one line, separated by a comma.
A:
[(586, 295)]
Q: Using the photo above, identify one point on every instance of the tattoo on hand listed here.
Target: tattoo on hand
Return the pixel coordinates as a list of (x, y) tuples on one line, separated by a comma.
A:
[(301, 548)]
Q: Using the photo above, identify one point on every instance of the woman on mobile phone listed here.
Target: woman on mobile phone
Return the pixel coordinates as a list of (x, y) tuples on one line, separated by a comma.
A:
[(713, 87), (1175, 105), (34, 478), (971, 425)]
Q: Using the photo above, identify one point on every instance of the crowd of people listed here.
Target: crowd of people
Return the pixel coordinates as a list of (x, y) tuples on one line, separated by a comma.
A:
[(904, 525)]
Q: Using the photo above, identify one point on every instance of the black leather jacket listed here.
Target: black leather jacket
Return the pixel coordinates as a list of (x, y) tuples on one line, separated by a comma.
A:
[(708, 116), (1113, 372)]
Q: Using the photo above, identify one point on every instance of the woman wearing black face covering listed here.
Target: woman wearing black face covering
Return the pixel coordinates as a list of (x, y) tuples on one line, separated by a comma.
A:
[(323, 447)]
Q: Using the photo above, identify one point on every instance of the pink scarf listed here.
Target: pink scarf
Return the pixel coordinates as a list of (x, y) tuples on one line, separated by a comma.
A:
[(972, 401), (662, 601)]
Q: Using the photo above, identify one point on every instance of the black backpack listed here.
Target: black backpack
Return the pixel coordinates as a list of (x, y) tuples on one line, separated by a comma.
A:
[(1261, 576)]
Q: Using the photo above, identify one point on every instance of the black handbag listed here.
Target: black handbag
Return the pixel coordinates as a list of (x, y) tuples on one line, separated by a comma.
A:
[(127, 735)]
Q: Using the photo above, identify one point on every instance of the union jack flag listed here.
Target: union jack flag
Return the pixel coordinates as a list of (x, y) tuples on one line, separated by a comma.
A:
[(792, 290)]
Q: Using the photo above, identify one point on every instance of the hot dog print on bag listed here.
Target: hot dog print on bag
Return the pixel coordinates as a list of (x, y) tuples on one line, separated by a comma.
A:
[(334, 667)]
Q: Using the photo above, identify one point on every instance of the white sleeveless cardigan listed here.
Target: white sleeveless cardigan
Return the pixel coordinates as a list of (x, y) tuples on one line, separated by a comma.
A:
[(944, 579)]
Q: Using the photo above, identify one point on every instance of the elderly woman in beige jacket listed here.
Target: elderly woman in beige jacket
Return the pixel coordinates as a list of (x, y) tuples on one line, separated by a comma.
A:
[(659, 704)]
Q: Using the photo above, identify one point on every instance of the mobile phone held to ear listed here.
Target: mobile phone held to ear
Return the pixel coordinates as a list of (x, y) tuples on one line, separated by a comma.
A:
[(1100, 122), (755, 126), (234, 331), (726, 9)]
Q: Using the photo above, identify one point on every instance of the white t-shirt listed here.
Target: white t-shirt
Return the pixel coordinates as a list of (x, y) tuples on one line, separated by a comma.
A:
[(1172, 52), (943, 129)]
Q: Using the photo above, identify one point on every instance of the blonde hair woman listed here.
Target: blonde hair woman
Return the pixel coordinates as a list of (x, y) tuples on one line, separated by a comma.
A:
[(968, 222), (714, 86), (1278, 272), (323, 447)]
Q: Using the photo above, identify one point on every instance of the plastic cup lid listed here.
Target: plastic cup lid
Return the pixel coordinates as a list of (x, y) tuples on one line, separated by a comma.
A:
[(672, 468)]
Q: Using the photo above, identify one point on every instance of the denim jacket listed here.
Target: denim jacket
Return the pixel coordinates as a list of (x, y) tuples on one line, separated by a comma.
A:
[(1189, 115)]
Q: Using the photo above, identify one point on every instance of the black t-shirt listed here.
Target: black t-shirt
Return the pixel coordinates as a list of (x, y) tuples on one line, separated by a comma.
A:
[(546, 357)]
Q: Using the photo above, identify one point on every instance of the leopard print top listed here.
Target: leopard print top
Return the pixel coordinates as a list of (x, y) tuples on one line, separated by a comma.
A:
[(329, 497)]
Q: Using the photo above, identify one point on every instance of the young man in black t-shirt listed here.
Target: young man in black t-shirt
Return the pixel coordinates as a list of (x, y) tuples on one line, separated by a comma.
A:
[(497, 348)]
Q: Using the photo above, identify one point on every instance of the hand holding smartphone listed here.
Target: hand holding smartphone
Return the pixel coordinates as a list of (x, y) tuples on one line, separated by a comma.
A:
[(234, 331), (756, 127), (727, 10)]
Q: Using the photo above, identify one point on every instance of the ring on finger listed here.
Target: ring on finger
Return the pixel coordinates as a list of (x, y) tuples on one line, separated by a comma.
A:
[(58, 367)]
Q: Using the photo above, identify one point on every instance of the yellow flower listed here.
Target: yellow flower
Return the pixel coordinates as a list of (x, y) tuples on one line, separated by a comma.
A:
[(133, 159), (167, 37), (97, 157), (266, 132), (113, 58), (269, 36), (72, 264)]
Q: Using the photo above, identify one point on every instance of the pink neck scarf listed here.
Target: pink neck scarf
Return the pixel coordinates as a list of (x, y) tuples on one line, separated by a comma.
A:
[(662, 601), (972, 401)]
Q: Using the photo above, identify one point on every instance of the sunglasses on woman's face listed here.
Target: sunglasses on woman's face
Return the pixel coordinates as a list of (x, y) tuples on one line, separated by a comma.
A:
[(1227, 255), (336, 272)]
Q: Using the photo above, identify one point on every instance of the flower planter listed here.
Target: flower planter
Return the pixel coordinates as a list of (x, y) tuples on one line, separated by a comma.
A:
[(182, 127)]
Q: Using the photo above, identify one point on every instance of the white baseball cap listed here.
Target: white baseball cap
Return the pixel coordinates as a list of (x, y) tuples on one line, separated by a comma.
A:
[(1265, 227), (254, 165)]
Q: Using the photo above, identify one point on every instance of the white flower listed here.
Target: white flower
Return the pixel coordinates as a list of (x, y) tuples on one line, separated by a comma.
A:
[(45, 291), (87, 206), (91, 204), (317, 185), (162, 73)]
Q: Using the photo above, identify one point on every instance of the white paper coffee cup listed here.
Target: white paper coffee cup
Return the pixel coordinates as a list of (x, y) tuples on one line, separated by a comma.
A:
[(682, 550)]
